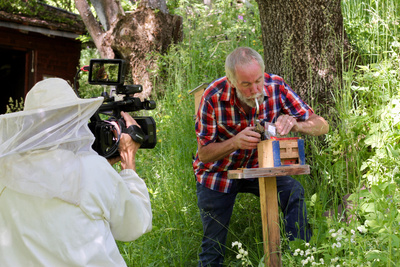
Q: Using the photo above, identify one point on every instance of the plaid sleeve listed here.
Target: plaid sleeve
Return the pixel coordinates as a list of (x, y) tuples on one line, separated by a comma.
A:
[(293, 105), (205, 123)]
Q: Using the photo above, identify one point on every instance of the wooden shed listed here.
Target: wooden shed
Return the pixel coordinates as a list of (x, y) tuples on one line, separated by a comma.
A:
[(33, 48)]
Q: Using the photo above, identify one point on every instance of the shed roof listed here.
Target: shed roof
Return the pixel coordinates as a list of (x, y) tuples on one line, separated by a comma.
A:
[(45, 19)]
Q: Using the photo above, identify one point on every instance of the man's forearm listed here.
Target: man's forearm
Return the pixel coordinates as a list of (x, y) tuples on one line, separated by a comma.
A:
[(216, 151), (315, 126), (245, 139)]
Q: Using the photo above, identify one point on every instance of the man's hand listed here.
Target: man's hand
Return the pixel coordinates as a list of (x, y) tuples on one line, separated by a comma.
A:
[(246, 139), (315, 125), (127, 147), (285, 124)]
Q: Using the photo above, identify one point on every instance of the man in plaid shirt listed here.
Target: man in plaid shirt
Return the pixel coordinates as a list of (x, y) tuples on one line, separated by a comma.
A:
[(227, 141)]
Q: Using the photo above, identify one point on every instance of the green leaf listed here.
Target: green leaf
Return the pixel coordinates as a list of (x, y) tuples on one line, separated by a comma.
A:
[(371, 223), (390, 189), (395, 240), (313, 199), (376, 191), (374, 255), (368, 207), (374, 140)]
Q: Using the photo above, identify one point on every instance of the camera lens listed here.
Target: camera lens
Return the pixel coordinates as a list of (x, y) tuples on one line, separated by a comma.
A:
[(149, 104)]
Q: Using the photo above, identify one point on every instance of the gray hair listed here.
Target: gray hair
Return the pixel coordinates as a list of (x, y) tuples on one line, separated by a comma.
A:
[(239, 57)]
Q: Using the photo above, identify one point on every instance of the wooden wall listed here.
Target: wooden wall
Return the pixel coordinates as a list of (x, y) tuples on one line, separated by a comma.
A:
[(45, 56)]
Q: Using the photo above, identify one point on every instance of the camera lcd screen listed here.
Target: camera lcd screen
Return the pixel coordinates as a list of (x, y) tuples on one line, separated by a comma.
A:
[(106, 71)]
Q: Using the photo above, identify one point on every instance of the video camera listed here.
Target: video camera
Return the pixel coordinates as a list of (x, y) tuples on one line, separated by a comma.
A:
[(112, 72)]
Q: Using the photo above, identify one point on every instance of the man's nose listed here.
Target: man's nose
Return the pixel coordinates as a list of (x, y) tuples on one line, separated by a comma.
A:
[(254, 89)]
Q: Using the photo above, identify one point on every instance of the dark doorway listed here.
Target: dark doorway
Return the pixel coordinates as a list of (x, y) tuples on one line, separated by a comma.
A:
[(12, 76)]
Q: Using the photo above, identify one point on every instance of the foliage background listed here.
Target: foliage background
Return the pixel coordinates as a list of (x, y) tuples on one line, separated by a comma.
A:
[(359, 155)]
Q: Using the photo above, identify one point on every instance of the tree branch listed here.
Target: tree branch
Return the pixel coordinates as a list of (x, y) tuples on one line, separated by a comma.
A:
[(94, 28)]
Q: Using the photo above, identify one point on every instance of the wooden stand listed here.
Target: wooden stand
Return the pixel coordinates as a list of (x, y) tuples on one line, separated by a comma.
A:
[(272, 155)]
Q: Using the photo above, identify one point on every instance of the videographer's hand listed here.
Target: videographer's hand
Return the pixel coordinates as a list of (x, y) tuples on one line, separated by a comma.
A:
[(128, 147)]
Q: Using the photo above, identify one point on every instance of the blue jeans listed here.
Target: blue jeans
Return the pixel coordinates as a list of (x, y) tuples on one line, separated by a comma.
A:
[(216, 210)]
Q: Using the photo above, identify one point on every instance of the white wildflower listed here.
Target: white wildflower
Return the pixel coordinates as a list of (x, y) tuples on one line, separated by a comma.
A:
[(304, 262), (362, 229)]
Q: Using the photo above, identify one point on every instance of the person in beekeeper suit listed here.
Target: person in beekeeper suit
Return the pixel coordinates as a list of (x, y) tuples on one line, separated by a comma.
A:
[(61, 204)]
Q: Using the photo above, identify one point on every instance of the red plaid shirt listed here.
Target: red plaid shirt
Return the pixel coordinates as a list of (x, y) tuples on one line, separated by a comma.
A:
[(220, 117)]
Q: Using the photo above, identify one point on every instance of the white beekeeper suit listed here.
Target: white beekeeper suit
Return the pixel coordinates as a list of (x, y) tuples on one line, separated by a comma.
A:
[(60, 203)]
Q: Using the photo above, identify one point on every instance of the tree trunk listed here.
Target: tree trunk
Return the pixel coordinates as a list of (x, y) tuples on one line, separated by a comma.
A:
[(303, 42), (138, 36), (94, 28), (155, 4), (134, 36), (107, 11)]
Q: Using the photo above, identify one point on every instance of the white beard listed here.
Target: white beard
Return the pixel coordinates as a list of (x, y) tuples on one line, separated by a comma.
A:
[(250, 101)]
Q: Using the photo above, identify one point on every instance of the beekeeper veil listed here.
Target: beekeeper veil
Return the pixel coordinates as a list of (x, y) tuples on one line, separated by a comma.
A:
[(41, 147)]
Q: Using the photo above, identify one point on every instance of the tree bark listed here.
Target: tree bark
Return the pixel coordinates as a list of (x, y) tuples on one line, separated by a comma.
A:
[(138, 36), (155, 4), (303, 42), (134, 36), (107, 11), (94, 28)]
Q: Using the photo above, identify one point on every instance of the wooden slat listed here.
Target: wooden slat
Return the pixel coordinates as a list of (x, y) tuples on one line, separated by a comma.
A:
[(269, 207), (269, 172)]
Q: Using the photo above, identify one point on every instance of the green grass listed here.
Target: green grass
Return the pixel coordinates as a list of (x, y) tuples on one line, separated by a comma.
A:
[(361, 150)]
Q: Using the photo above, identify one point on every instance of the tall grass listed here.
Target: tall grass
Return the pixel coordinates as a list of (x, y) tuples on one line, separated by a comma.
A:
[(363, 149)]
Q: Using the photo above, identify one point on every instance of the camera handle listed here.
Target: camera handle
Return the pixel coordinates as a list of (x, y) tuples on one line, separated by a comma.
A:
[(134, 131)]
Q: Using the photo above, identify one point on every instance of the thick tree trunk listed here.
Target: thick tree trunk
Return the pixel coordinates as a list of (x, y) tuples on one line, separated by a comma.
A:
[(303, 42), (136, 36)]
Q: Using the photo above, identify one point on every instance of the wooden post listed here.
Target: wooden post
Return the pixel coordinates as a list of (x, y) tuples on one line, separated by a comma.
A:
[(269, 207), (275, 158)]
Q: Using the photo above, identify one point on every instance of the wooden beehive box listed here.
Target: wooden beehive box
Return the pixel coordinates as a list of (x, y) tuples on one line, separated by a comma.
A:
[(284, 151), (198, 93)]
